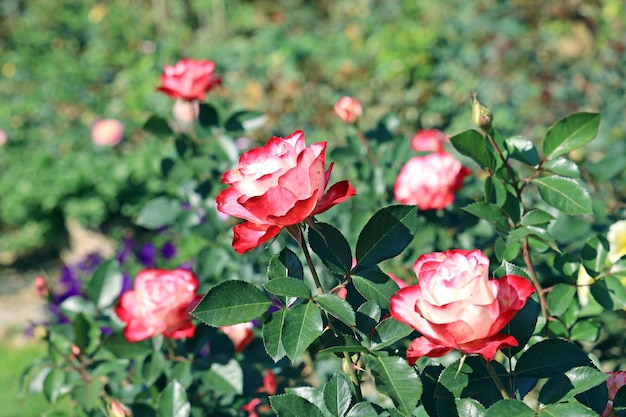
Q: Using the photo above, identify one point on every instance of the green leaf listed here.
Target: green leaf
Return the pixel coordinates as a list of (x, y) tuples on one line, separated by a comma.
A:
[(469, 407), (87, 394), (332, 248), (536, 217), (575, 381), (231, 302), (106, 284), (362, 409), (566, 194), (375, 286), (86, 333), (173, 401), (386, 234), (157, 126), (396, 379), (273, 335), (153, 367), (560, 297), (208, 116), (388, 332), (245, 120), (522, 326), (54, 385), (285, 264), (303, 324), (570, 133), (593, 255), (337, 395), (495, 191), (289, 287), (487, 211), (117, 344), (226, 378), (512, 408), (609, 293), (473, 144), (549, 358), (290, 405), (337, 307), (158, 212), (567, 409), (586, 330), (562, 166), (522, 150)]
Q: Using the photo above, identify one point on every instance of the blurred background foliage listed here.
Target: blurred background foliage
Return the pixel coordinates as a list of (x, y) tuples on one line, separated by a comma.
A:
[(65, 64)]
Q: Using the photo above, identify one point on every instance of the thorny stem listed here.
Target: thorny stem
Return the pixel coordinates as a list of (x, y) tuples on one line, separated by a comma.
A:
[(525, 249), (354, 378), (296, 232), (496, 379)]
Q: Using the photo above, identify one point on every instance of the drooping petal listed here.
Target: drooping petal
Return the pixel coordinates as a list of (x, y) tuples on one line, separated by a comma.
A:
[(336, 194), (424, 347), (488, 347), (250, 235)]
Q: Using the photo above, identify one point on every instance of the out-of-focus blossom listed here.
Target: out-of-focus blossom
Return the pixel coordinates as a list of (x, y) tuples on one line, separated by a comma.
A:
[(430, 181), (456, 306), (348, 109), (428, 140), (41, 287), (240, 334), (117, 409), (147, 255), (617, 241), (189, 79), (270, 385), (3, 137), (583, 284), (185, 113), (107, 132), (278, 185), (168, 250), (615, 381), (159, 304), (250, 407)]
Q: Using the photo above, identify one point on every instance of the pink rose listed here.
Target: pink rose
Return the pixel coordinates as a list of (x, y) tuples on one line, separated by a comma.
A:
[(430, 181), (428, 140), (278, 185), (456, 306), (4, 137), (159, 304), (189, 79), (107, 132), (270, 385), (348, 109), (240, 334), (615, 381)]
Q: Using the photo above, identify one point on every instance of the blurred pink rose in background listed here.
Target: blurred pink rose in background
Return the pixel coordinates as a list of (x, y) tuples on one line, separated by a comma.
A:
[(3, 137), (240, 334), (615, 381), (428, 140), (348, 109), (189, 79), (456, 306), (430, 181), (159, 303), (278, 185), (107, 132)]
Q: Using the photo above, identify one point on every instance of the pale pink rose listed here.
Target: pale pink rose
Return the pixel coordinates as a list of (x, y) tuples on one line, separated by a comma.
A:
[(159, 303), (456, 306), (430, 181), (3, 137), (278, 185), (107, 132), (348, 109), (189, 79), (185, 112), (428, 140), (615, 381), (240, 334)]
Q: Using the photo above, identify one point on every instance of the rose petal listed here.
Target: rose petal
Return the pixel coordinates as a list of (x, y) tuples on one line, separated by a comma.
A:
[(249, 235)]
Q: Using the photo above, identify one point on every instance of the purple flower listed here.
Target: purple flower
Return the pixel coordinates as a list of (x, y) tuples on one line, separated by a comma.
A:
[(146, 255), (168, 250), (127, 249)]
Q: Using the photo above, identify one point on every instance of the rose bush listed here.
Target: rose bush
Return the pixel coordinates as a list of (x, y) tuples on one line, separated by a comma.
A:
[(189, 79), (430, 181), (278, 185), (158, 304), (456, 306)]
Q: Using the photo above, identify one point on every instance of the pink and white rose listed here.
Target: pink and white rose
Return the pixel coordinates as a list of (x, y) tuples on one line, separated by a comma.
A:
[(456, 306), (159, 303), (428, 140), (240, 334), (348, 109), (189, 79), (430, 181), (278, 185)]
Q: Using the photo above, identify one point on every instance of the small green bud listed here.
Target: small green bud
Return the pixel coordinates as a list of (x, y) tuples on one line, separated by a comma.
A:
[(481, 115)]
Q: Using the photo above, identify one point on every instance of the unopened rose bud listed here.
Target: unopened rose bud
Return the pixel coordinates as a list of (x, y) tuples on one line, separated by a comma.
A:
[(107, 132), (117, 409), (41, 287), (185, 113), (481, 115), (348, 109)]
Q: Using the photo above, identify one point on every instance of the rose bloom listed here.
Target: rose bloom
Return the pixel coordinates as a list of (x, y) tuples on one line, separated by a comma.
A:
[(348, 109), (456, 306), (615, 381), (428, 140), (107, 132), (617, 241), (278, 185), (189, 79), (4, 137), (240, 334), (159, 304), (430, 181)]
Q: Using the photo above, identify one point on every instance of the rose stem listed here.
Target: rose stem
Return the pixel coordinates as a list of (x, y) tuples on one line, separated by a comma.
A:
[(364, 141), (496, 378), (296, 232), (526, 250)]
